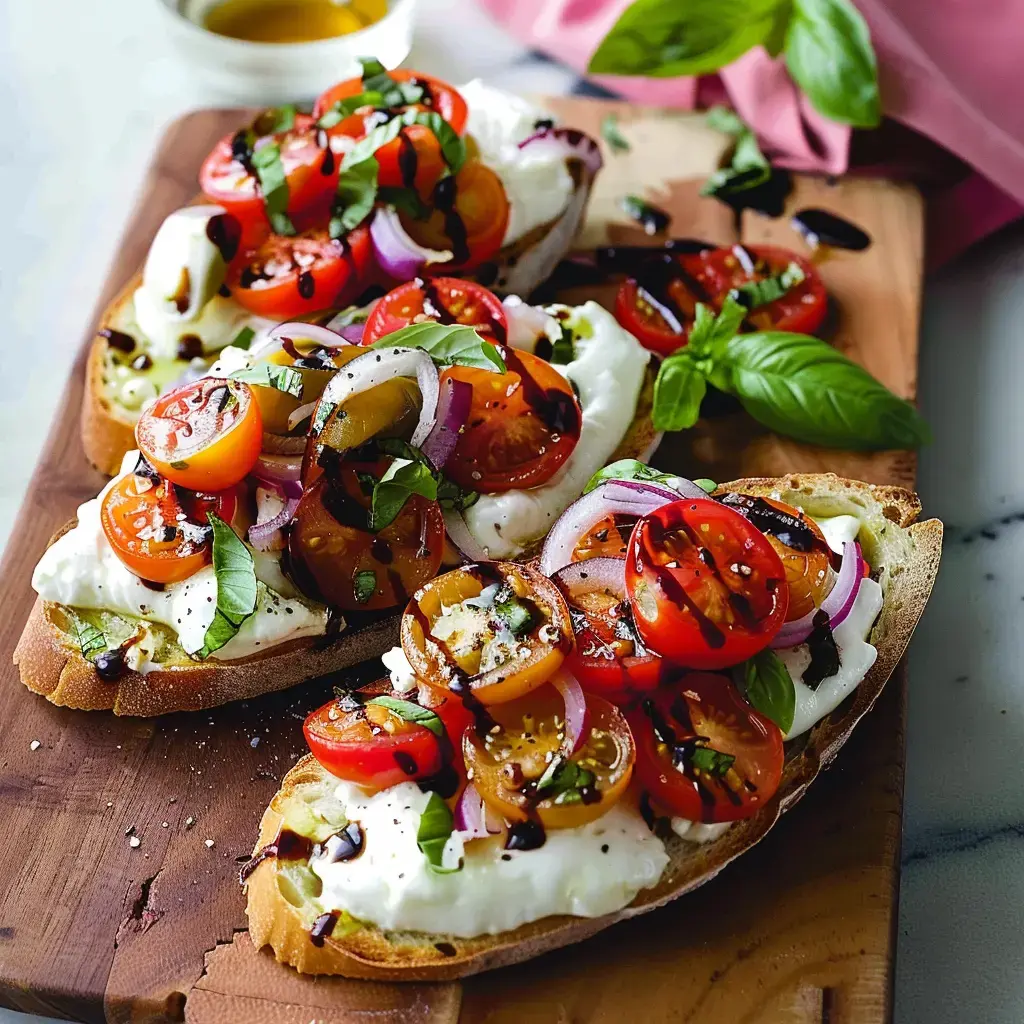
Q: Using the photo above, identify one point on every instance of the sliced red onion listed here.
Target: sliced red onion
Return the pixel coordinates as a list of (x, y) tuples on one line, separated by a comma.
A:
[(384, 364), (459, 534), (398, 255), (322, 336), (838, 603), (266, 535), (567, 142), (470, 817), (605, 574), (577, 727), (283, 471), (453, 405), (629, 497), (302, 413), (353, 333)]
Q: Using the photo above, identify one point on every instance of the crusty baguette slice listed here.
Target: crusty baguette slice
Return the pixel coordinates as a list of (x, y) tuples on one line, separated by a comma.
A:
[(908, 560), (51, 663), (108, 431)]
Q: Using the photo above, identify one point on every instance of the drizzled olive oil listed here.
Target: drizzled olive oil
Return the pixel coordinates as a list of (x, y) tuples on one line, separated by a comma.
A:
[(291, 21)]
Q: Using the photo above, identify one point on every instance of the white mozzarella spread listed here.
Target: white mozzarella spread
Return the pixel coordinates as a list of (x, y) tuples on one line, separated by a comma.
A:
[(608, 371), (183, 262), (699, 831), (587, 871), (839, 529), (80, 570), (403, 678), (537, 183)]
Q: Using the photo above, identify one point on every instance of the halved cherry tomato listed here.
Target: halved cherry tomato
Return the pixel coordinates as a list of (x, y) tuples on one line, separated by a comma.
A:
[(806, 556), (523, 424), (447, 300), (371, 745), (609, 658), (288, 277), (205, 434), (470, 217), (703, 753), (801, 310), (309, 170), (707, 588), (161, 532), (414, 158), (523, 770), (658, 305), (334, 555), (497, 628)]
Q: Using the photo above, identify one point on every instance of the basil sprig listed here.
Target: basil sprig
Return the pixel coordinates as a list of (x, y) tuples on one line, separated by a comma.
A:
[(713, 762), (563, 781), (363, 585), (236, 586), (769, 687), (266, 162), (628, 469), (611, 134), (270, 375), (410, 712), (825, 43), (761, 293), (446, 344), (748, 167), (380, 91), (794, 384), (436, 825), (243, 339)]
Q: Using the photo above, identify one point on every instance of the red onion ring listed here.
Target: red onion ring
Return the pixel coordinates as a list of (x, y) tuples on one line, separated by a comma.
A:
[(398, 255), (630, 497), (577, 725), (353, 333), (322, 336), (262, 536), (837, 605), (453, 405), (604, 573), (384, 364), (568, 142), (472, 818), (282, 471), (304, 412), (459, 534)]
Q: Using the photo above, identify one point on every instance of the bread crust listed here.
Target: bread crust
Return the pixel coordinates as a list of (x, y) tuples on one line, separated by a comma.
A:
[(370, 952)]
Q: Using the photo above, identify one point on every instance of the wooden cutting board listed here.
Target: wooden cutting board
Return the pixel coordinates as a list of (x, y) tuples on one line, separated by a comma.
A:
[(800, 930)]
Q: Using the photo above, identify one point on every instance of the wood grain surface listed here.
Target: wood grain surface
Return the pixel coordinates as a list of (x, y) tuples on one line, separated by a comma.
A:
[(91, 928)]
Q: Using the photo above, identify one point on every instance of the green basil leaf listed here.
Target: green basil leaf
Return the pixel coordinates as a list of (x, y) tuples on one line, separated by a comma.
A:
[(364, 585), (724, 119), (453, 146), (760, 293), (236, 586), (346, 107), (829, 54), (769, 687), (563, 351), (714, 762), (405, 200), (516, 614), (446, 344), (612, 135), (627, 469), (748, 167), (436, 825), (452, 497), (393, 94), (803, 388), (400, 481), (91, 639), (670, 38), (710, 332), (243, 339), (708, 485), (267, 164), (271, 375), (321, 415), (679, 389), (274, 120), (355, 196), (410, 712), (562, 780)]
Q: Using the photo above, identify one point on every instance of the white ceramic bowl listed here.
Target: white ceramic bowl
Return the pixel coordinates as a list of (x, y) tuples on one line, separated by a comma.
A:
[(263, 74)]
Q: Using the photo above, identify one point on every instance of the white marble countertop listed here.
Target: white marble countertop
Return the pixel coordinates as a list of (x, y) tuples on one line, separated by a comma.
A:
[(87, 87)]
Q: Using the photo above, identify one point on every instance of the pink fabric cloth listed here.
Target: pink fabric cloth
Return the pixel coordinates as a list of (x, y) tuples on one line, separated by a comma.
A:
[(947, 70)]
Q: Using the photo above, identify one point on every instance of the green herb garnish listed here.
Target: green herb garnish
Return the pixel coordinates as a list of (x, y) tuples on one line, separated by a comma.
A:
[(243, 339), (612, 135), (515, 613), (563, 781), (364, 584), (410, 712), (769, 687), (761, 293), (628, 469), (713, 762), (436, 825), (271, 375), (266, 162), (401, 480), (236, 586), (446, 344)]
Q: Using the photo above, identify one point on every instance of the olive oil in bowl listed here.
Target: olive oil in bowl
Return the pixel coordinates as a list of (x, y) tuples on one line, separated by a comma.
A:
[(291, 21)]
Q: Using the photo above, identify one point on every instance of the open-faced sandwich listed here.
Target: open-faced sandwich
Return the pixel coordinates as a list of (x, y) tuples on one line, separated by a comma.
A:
[(392, 175), (279, 512), (565, 744)]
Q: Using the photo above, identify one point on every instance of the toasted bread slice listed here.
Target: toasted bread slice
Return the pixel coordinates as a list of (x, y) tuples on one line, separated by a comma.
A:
[(906, 556), (108, 428)]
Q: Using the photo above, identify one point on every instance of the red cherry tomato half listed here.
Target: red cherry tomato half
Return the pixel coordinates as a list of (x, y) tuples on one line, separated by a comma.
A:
[(372, 746), (447, 300), (289, 277), (309, 169), (703, 753), (206, 434), (522, 426), (161, 532), (708, 589)]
